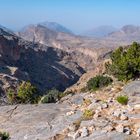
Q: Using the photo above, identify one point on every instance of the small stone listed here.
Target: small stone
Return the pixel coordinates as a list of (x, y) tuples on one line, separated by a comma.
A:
[(137, 106), (96, 116), (127, 130), (70, 113), (84, 132), (97, 111), (110, 100), (138, 132), (117, 113), (120, 128), (71, 134), (123, 117), (91, 128), (129, 108), (109, 128), (99, 108), (92, 105), (76, 135), (105, 105), (72, 128)]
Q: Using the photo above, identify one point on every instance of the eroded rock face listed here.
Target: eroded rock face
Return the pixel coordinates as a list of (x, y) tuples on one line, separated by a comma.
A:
[(44, 66), (47, 67)]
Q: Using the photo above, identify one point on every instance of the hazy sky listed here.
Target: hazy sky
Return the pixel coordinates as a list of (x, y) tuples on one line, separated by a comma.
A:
[(78, 15)]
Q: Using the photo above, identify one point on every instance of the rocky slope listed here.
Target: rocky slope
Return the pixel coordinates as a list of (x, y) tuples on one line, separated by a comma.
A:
[(64, 120), (23, 60)]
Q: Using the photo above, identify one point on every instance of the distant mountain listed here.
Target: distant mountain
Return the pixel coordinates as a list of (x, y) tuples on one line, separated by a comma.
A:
[(38, 33), (56, 27), (100, 31), (127, 33)]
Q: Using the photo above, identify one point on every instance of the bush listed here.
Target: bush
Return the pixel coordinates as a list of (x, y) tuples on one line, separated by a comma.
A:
[(125, 63), (11, 96), (98, 82), (122, 100), (4, 136), (88, 114), (25, 93), (52, 96)]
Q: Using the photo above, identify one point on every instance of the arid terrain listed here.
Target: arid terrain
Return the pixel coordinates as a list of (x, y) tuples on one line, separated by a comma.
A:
[(51, 56)]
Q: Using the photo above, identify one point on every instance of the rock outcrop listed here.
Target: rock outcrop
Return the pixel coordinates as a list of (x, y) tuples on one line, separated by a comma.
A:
[(64, 120)]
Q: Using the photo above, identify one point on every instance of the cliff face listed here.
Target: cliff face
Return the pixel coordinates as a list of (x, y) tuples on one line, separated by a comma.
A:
[(44, 66)]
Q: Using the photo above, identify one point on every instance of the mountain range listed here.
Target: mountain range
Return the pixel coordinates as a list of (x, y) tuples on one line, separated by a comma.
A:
[(55, 58)]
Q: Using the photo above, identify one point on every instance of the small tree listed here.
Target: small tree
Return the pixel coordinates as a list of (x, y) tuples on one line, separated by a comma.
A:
[(27, 92), (98, 82), (125, 63), (11, 96)]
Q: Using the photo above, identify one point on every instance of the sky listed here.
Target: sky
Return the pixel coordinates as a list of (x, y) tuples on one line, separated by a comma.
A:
[(77, 15)]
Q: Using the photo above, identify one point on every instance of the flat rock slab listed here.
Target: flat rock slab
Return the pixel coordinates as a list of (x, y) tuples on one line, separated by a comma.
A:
[(100, 135), (32, 122), (132, 89)]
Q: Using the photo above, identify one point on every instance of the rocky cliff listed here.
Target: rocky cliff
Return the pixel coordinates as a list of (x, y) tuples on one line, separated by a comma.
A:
[(44, 66)]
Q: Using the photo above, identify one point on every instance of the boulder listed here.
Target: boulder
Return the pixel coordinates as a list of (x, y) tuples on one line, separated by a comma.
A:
[(132, 89)]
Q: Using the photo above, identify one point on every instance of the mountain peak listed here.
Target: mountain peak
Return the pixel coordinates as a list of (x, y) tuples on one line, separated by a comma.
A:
[(55, 27)]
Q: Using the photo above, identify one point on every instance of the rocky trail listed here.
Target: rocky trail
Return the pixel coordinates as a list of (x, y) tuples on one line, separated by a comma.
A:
[(64, 120)]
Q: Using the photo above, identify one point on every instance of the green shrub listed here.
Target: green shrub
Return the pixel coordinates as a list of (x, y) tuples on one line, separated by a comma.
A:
[(4, 136), (125, 63), (11, 96), (88, 114), (25, 93), (51, 97), (122, 100), (98, 82)]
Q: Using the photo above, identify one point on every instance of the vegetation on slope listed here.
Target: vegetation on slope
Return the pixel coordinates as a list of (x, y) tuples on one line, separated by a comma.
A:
[(4, 136), (125, 63), (98, 82), (122, 99), (27, 93)]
